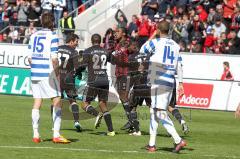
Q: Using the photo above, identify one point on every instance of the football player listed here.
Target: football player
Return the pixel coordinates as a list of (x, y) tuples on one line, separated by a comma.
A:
[(95, 59)]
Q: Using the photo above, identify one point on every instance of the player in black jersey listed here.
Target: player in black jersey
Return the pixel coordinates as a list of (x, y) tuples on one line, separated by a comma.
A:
[(140, 90), (95, 60), (68, 58)]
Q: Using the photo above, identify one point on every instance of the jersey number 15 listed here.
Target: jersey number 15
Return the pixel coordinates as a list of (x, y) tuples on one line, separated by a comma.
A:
[(38, 44)]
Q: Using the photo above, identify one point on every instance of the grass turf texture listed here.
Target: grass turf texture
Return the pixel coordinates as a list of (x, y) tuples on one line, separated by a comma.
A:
[(213, 135)]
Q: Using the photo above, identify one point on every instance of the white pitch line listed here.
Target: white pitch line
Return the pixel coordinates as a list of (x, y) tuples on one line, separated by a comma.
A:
[(108, 151)]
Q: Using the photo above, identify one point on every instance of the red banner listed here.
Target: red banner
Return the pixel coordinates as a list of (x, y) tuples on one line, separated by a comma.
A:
[(196, 95)]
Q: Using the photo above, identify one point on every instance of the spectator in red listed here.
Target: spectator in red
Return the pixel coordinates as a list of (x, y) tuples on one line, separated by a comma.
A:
[(154, 24), (202, 13), (143, 30), (227, 75), (209, 40), (228, 10)]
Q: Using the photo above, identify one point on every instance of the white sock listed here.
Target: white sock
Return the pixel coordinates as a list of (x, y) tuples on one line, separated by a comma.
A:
[(183, 122), (168, 125), (56, 121), (35, 122), (153, 128)]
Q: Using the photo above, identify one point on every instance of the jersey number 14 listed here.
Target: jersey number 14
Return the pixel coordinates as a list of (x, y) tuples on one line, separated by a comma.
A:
[(168, 55)]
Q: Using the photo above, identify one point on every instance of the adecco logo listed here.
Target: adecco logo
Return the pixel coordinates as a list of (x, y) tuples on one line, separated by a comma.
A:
[(196, 95)]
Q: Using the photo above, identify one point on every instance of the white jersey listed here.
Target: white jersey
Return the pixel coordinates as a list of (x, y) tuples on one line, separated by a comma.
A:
[(43, 47), (165, 61)]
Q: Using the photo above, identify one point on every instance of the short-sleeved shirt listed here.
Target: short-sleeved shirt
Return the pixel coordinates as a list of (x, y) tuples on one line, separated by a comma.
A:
[(42, 48), (95, 59), (163, 62)]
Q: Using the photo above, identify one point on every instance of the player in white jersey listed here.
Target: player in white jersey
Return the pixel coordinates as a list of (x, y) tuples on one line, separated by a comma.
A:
[(43, 59), (165, 61)]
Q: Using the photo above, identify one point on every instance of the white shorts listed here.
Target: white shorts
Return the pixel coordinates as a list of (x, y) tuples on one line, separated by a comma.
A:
[(160, 97), (47, 88)]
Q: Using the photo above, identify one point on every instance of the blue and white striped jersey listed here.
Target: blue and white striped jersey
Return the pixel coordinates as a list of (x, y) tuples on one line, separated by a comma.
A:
[(43, 47), (165, 61)]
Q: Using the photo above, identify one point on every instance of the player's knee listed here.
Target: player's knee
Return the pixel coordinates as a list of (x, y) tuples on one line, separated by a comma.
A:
[(56, 102), (170, 109), (162, 115)]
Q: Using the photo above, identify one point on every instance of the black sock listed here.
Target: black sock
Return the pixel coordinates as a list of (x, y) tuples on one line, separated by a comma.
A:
[(91, 110), (126, 107), (51, 110), (134, 120), (177, 115), (108, 120), (75, 111)]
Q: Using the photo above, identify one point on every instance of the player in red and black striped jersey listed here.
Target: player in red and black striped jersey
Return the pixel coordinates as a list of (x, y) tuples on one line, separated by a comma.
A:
[(122, 75)]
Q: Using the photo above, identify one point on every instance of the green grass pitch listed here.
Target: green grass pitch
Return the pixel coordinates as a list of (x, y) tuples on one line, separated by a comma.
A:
[(214, 135)]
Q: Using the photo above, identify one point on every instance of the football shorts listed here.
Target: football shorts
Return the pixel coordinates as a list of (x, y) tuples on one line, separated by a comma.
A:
[(47, 88)]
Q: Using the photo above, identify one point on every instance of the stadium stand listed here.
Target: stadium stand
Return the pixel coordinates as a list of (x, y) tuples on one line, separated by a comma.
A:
[(208, 26)]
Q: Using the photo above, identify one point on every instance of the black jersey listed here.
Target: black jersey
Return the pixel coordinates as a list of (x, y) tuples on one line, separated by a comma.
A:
[(95, 59), (68, 58)]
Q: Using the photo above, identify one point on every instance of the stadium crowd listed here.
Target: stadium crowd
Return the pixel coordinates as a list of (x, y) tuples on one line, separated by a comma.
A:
[(23, 16), (208, 26)]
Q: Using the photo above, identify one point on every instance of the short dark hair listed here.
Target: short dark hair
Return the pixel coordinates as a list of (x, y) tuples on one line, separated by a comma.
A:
[(96, 39), (164, 26), (71, 37), (47, 20), (226, 63)]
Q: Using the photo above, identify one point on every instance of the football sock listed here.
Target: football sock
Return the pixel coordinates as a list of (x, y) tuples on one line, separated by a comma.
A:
[(168, 125), (177, 115), (56, 121), (75, 111), (51, 109), (108, 120), (35, 122), (91, 110), (133, 119), (126, 107), (153, 128)]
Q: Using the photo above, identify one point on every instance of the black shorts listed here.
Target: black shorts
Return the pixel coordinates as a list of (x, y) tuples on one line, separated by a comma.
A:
[(173, 101), (91, 92), (123, 83), (68, 86), (139, 94)]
